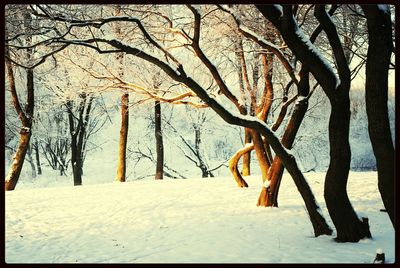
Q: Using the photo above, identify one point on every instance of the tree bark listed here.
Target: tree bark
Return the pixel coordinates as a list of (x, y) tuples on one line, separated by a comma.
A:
[(19, 157), (123, 133), (262, 158), (376, 96), (348, 227), (37, 156), (269, 195), (123, 138), (159, 142), (75, 159), (78, 134), (33, 168), (247, 155), (24, 116), (233, 164)]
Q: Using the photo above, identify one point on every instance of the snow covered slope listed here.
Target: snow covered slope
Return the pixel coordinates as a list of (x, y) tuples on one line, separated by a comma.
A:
[(185, 221)]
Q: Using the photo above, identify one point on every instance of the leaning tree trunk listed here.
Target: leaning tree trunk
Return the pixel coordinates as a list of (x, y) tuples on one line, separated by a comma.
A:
[(269, 195), (348, 227), (24, 116), (376, 96), (159, 142), (19, 157), (26, 119)]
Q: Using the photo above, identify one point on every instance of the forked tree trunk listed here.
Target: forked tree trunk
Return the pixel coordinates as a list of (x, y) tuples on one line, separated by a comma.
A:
[(376, 96), (269, 195), (24, 116), (159, 142), (348, 227), (78, 134)]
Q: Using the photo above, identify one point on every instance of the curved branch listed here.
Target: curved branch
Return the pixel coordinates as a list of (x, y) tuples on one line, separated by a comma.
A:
[(233, 164), (213, 70)]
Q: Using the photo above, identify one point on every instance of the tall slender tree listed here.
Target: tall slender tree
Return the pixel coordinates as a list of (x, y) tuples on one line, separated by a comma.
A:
[(123, 133), (159, 141), (380, 48)]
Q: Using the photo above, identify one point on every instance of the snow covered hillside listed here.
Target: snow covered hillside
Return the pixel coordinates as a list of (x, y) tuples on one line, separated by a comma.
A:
[(185, 221)]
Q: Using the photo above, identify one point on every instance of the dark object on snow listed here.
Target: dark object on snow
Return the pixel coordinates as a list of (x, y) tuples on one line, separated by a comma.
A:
[(383, 210), (379, 258)]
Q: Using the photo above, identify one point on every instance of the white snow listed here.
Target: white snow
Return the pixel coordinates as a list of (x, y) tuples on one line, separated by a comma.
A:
[(184, 221), (315, 51)]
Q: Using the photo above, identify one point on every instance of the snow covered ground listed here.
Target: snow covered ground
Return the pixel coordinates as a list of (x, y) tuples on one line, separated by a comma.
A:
[(184, 221)]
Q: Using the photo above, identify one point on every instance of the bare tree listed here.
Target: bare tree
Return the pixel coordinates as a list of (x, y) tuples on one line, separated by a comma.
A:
[(380, 49), (123, 138), (25, 115), (348, 226), (176, 71)]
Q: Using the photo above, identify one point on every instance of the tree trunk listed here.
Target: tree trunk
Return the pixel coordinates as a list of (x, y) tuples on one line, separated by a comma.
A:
[(318, 221), (260, 153), (19, 157), (269, 195), (349, 227), (123, 133), (26, 120), (39, 167), (159, 142), (376, 96), (246, 156), (123, 138), (233, 165), (75, 158), (29, 152)]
